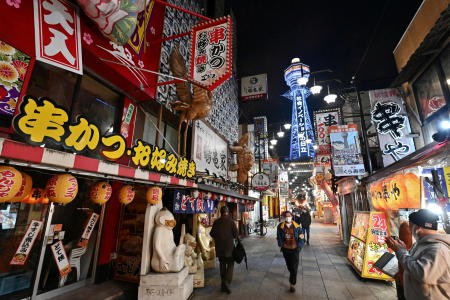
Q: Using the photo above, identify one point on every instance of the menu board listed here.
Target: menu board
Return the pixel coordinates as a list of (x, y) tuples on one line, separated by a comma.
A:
[(375, 245), (356, 253), (360, 225)]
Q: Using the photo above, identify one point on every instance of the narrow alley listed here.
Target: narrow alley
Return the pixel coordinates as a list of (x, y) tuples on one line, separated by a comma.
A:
[(323, 272)]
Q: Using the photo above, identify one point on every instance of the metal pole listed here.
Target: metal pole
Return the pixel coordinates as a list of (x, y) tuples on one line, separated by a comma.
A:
[(260, 193), (364, 132)]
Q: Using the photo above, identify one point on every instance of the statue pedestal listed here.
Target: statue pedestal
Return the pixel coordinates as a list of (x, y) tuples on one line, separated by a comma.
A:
[(199, 278), (176, 286), (210, 264)]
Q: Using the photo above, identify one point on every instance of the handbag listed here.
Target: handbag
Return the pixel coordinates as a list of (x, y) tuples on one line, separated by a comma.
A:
[(239, 253)]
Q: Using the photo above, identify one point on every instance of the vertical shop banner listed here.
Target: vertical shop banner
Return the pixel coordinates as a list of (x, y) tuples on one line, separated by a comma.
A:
[(260, 130), (323, 119), (90, 225), (22, 252), (211, 52), (61, 258), (375, 245), (185, 204), (58, 34), (210, 150), (392, 124), (346, 152), (254, 87)]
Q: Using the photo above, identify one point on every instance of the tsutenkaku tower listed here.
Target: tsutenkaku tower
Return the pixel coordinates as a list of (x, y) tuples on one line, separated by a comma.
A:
[(302, 135)]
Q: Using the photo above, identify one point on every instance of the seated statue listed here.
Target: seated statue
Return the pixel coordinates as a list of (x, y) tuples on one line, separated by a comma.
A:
[(190, 259), (207, 246), (167, 257)]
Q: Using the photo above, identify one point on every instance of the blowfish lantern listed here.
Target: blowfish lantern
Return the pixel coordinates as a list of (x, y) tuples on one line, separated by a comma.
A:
[(100, 192), (126, 194), (10, 183), (62, 188)]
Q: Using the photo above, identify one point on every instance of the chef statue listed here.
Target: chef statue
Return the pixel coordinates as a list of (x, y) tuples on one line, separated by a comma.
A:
[(167, 257), (207, 247)]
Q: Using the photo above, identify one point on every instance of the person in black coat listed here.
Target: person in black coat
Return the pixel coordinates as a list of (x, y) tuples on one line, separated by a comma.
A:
[(224, 232), (305, 220)]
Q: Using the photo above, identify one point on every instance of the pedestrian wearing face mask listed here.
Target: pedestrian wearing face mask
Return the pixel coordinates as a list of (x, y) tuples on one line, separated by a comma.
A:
[(291, 239), (427, 265)]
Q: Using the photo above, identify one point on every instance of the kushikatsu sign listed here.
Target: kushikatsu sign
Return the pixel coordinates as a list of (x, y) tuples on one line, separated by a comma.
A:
[(41, 121), (211, 61)]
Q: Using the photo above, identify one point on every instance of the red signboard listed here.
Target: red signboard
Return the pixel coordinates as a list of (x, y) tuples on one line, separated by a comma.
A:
[(211, 59), (57, 34)]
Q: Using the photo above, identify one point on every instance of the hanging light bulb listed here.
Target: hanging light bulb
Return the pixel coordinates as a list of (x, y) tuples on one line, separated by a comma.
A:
[(316, 89), (330, 98), (273, 141), (302, 81), (271, 147), (280, 133)]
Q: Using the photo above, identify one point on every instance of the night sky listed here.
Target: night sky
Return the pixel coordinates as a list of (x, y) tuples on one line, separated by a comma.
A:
[(324, 35)]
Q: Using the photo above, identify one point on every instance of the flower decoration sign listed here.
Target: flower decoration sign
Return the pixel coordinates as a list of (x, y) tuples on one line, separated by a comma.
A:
[(211, 60), (58, 34), (42, 121), (13, 68)]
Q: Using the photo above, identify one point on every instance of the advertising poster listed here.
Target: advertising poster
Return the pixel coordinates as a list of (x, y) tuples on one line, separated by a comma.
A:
[(346, 151), (186, 204), (392, 124), (375, 245), (22, 252), (360, 225), (356, 253), (210, 150), (261, 142), (254, 87), (323, 119), (61, 258), (84, 240)]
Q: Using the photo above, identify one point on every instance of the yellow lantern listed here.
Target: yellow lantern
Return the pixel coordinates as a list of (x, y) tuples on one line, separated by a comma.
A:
[(62, 188), (36, 196), (154, 195), (100, 192), (405, 191), (10, 183), (25, 188), (126, 194)]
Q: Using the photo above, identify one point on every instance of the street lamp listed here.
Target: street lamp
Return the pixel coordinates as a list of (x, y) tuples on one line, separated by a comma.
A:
[(280, 133), (287, 126), (316, 89), (330, 98), (271, 146), (273, 142)]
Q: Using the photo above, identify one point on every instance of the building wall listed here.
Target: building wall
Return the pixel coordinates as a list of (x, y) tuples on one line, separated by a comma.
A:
[(423, 21)]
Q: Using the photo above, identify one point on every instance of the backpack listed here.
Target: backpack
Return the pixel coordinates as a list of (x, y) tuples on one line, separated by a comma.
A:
[(239, 253)]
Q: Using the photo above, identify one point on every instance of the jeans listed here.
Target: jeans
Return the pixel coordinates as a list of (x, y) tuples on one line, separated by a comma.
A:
[(226, 269), (291, 256), (307, 233)]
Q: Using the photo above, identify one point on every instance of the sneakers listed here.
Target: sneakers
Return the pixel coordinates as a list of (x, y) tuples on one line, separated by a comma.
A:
[(292, 289)]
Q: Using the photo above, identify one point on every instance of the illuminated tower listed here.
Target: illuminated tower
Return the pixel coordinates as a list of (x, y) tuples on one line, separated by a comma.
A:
[(302, 136)]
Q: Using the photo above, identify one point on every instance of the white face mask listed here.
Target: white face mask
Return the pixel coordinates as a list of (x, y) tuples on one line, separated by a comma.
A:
[(288, 219)]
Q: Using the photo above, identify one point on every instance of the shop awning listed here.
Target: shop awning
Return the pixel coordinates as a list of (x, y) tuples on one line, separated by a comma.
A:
[(16, 153), (433, 41), (411, 160), (216, 190)]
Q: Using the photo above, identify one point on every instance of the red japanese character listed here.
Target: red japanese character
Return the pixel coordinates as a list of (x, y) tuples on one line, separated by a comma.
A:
[(217, 35)]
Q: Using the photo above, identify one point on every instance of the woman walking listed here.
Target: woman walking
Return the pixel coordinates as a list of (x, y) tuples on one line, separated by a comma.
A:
[(291, 239)]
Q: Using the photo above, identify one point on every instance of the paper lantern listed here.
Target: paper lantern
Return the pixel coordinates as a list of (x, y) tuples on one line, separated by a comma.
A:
[(25, 188), (154, 195), (10, 183), (62, 188), (100, 192), (126, 194), (36, 196), (404, 191)]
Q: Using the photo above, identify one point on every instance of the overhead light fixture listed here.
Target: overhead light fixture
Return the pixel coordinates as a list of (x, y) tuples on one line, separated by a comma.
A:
[(330, 98), (280, 134), (315, 147), (273, 142), (302, 81), (271, 147), (289, 168), (287, 126), (315, 89)]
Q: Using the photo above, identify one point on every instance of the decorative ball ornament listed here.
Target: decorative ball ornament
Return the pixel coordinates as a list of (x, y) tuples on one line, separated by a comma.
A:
[(126, 194), (154, 195), (36, 196), (62, 188), (100, 192), (10, 183), (25, 188)]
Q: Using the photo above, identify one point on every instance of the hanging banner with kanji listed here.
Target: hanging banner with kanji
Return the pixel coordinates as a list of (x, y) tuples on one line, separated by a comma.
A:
[(211, 53), (183, 203), (60, 256), (323, 119), (392, 124), (22, 252), (346, 152), (90, 225), (58, 34)]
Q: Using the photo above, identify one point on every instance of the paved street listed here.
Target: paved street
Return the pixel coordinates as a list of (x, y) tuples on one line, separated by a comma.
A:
[(323, 272)]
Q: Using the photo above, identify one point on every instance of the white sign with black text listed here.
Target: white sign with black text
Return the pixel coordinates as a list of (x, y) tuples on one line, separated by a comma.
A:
[(254, 87)]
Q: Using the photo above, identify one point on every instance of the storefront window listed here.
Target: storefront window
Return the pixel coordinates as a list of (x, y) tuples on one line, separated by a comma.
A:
[(149, 134)]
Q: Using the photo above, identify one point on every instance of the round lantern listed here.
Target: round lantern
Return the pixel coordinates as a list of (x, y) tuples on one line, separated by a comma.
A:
[(62, 188), (100, 192), (126, 194), (36, 196), (25, 188), (10, 183), (381, 202), (154, 195), (404, 191)]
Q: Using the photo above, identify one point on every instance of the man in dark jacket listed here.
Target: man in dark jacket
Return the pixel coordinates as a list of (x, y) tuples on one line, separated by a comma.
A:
[(224, 232), (305, 220), (291, 239)]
